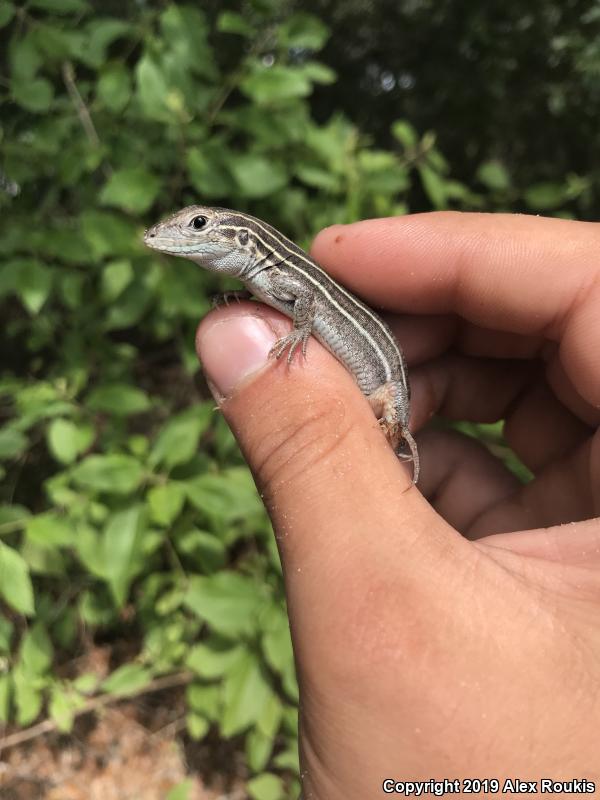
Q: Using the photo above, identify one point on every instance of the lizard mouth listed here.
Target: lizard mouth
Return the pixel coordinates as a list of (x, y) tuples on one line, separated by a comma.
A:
[(157, 242)]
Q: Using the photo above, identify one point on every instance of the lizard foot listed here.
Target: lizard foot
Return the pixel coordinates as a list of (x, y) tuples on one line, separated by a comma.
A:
[(224, 298), (293, 340)]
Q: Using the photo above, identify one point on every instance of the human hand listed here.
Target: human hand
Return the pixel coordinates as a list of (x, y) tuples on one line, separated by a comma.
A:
[(422, 654)]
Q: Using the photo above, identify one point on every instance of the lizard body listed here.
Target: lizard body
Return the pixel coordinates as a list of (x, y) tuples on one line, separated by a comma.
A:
[(281, 274)]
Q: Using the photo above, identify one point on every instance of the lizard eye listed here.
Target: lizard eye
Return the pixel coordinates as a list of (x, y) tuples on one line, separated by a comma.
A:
[(198, 223)]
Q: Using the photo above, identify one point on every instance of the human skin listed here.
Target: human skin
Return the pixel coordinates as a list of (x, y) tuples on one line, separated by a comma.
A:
[(448, 630)]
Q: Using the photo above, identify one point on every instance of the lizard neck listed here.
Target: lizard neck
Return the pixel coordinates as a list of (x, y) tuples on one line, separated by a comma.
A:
[(233, 262)]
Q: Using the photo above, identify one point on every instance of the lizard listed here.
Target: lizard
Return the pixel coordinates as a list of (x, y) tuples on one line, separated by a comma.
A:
[(277, 272)]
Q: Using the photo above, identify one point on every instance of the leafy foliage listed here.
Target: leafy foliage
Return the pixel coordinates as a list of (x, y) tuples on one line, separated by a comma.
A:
[(127, 512), (509, 83)]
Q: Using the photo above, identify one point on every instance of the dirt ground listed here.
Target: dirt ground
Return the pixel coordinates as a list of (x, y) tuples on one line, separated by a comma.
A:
[(136, 749), (116, 756)]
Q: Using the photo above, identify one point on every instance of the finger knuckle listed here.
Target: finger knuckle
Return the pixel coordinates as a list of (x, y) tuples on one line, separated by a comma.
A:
[(303, 436)]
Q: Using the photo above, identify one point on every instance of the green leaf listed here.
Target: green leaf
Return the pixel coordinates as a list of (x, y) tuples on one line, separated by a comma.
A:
[(303, 31), (107, 234), (318, 73), (86, 683), (245, 692), (11, 515), (12, 443), (61, 708), (6, 633), (227, 601), (209, 551), (60, 6), (434, 186), (258, 750), (494, 175), (34, 95), (152, 89), (71, 290), (227, 496), (5, 697), (51, 530), (181, 791), (212, 659), (257, 176), (36, 651), (96, 610), (208, 172), (8, 276), (204, 699), (89, 550), (271, 716), (177, 442), (318, 177), (116, 277), (114, 87), (25, 58), (266, 787), (127, 680), (197, 726), (7, 11), (166, 502), (405, 133), (132, 189), (101, 33), (129, 308), (33, 283), (119, 474), (43, 560), (275, 84), (40, 401), (122, 545), (277, 644), (28, 697), (15, 583), (544, 196), (230, 22), (66, 440), (288, 759), (120, 399)]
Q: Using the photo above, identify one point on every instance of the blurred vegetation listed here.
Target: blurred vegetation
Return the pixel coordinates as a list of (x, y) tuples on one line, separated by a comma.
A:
[(127, 515)]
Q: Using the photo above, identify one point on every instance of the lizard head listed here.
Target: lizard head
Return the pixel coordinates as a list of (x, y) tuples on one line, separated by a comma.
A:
[(215, 238)]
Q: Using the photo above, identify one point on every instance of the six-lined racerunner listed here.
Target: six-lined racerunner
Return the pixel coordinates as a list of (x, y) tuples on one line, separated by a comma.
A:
[(281, 274)]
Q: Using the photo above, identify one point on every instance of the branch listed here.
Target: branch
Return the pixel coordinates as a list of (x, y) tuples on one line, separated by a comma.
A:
[(94, 704), (82, 110), (232, 81)]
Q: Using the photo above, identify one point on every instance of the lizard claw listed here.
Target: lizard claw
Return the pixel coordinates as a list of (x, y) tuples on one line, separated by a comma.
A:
[(224, 298)]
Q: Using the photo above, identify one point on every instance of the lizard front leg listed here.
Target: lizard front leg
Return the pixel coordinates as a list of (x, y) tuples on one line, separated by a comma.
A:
[(302, 299)]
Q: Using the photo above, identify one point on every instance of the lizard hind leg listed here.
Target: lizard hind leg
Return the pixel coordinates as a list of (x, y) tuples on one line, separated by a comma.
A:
[(390, 414)]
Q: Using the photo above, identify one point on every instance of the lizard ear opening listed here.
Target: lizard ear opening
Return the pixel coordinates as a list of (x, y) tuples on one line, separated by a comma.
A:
[(242, 237)]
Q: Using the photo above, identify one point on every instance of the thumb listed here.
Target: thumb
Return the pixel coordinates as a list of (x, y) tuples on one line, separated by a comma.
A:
[(342, 505)]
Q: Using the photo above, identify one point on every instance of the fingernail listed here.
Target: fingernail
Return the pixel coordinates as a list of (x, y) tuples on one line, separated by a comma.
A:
[(233, 348)]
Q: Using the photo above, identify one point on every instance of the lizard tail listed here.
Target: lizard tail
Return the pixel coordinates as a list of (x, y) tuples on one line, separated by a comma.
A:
[(408, 438)]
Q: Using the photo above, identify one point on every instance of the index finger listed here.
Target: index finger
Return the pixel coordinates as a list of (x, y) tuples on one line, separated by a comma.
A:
[(517, 273)]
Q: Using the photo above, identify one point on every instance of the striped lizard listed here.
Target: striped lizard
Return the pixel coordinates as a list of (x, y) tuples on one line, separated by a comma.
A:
[(279, 273)]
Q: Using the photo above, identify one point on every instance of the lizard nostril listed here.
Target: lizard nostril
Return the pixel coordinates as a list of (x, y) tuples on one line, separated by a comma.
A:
[(150, 235)]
